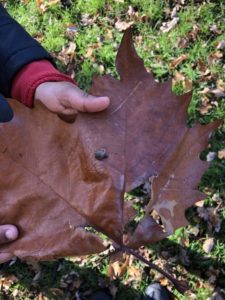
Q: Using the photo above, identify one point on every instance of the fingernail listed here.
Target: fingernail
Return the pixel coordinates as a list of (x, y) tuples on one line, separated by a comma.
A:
[(10, 235), (106, 99)]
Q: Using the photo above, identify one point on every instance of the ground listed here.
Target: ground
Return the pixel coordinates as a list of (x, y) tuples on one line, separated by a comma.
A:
[(181, 39)]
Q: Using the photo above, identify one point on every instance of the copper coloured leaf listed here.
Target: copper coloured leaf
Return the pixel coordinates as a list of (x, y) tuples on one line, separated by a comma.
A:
[(58, 179)]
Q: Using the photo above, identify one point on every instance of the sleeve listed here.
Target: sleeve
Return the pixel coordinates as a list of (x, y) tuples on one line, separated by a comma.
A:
[(17, 49), (30, 76)]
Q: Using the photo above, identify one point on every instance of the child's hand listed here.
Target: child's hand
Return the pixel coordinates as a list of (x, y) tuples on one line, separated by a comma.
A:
[(66, 98)]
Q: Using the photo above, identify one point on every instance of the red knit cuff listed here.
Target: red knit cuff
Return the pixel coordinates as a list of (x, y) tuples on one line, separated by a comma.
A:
[(31, 76)]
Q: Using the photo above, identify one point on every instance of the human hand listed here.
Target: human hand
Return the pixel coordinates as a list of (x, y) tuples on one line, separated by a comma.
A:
[(67, 99), (8, 233)]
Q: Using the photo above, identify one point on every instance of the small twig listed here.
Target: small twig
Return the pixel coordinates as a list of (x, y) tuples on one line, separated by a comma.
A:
[(181, 286)]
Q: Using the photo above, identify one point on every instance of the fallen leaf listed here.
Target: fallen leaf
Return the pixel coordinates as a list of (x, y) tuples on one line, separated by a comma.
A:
[(123, 25), (109, 34), (89, 52), (221, 45), (210, 156), (203, 213), (88, 20), (200, 203), (176, 62), (214, 219), (221, 154), (189, 38), (187, 83), (7, 281), (40, 296), (70, 50), (205, 106), (214, 57), (218, 92), (164, 281), (215, 29), (135, 273), (194, 230), (71, 31), (118, 269), (43, 6), (208, 245), (70, 178), (167, 26)]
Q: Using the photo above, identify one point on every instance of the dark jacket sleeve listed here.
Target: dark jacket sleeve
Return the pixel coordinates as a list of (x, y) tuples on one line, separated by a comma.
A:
[(17, 48)]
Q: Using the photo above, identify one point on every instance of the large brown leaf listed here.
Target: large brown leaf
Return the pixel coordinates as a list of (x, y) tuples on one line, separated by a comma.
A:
[(53, 184)]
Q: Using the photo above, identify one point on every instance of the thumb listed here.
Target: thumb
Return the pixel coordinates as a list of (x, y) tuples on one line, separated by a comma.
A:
[(8, 233), (95, 104), (81, 101), (88, 103)]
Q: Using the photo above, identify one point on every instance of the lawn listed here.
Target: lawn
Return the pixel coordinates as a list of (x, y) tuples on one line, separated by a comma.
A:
[(181, 39)]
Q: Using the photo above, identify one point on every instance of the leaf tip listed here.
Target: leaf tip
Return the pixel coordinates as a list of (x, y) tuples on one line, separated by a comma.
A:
[(128, 64)]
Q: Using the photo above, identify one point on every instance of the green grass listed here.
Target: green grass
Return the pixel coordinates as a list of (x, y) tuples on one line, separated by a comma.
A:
[(95, 27)]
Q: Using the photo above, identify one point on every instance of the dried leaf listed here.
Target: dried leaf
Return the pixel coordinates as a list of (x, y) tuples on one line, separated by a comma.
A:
[(214, 57), (200, 203), (118, 269), (208, 245), (187, 83), (215, 29), (210, 156), (7, 281), (221, 45), (52, 174), (176, 62), (89, 52), (219, 93), (135, 273), (87, 19), (40, 296), (42, 7), (71, 31), (122, 25), (190, 37), (215, 221), (221, 154), (70, 50), (167, 26), (205, 108)]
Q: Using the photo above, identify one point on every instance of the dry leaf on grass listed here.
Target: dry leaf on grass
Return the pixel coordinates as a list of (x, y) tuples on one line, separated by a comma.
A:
[(123, 25), (214, 57), (221, 154), (189, 38), (176, 62), (42, 6), (117, 269), (167, 26), (218, 92), (187, 83), (205, 108), (208, 245), (221, 45), (210, 156)]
